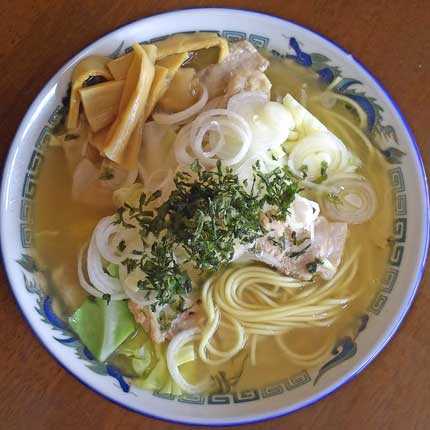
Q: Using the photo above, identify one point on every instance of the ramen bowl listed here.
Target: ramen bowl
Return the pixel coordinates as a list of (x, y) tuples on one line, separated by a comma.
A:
[(408, 245)]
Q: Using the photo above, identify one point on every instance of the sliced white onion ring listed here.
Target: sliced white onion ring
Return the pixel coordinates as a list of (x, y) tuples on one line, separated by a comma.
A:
[(175, 118), (229, 138), (270, 122), (355, 201), (315, 149), (108, 235), (87, 286), (173, 349), (137, 296), (181, 145), (101, 280), (245, 101)]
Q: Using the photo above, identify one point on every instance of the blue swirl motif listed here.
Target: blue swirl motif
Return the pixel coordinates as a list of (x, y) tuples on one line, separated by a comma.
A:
[(345, 348), (299, 57), (383, 136), (117, 52), (34, 285)]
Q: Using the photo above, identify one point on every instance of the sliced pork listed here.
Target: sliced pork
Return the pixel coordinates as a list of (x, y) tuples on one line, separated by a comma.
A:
[(301, 254), (242, 59)]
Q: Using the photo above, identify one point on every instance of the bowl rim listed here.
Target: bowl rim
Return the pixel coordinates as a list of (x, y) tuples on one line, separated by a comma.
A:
[(265, 416)]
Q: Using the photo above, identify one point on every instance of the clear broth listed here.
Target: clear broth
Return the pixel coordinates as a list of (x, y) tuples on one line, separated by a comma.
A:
[(62, 226)]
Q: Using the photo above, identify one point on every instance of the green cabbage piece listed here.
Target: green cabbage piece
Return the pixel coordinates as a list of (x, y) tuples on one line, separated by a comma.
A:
[(159, 375), (103, 326), (136, 355), (112, 270), (304, 122)]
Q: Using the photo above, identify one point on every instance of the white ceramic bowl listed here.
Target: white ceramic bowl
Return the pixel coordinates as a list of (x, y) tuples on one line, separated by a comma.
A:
[(403, 270)]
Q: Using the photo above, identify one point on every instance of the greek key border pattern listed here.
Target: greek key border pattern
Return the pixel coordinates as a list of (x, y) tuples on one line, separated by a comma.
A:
[(397, 242)]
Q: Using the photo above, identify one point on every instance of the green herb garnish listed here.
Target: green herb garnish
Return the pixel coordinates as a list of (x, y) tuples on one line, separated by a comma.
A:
[(71, 137), (206, 216), (323, 172), (106, 297), (334, 198), (120, 218), (163, 275), (209, 215), (304, 170), (280, 190), (299, 253), (130, 264), (313, 265), (107, 174), (121, 246)]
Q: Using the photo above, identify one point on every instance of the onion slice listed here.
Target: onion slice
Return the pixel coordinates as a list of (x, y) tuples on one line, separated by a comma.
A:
[(316, 149), (270, 122), (101, 280), (229, 138), (175, 345), (108, 236), (141, 298), (87, 286), (354, 202), (175, 118)]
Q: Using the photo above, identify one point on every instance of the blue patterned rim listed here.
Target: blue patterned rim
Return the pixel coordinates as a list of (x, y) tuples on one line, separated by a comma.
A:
[(394, 328)]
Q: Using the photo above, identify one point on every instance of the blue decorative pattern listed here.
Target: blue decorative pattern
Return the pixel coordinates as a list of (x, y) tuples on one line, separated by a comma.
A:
[(233, 36), (378, 303), (30, 180), (272, 390), (35, 280), (55, 118), (29, 189), (400, 206), (297, 380), (26, 236), (117, 52), (219, 399), (399, 229), (344, 349), (397, 181), (192, 399), (52, 317), (246, 396), (299, 56), (259, 41), (322, 65), (396, 254), (397, 241), (390, 278), (166, 396), (26, 212)]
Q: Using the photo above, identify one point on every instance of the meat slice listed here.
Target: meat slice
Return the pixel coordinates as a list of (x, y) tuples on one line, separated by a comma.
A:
[(330, 238), (191, 317), (94, 185), (320, 254), (150, 320), (248, 80), (243, 58)]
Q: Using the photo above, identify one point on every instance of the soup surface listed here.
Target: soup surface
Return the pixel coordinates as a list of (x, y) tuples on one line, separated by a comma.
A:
[(64, 224)]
